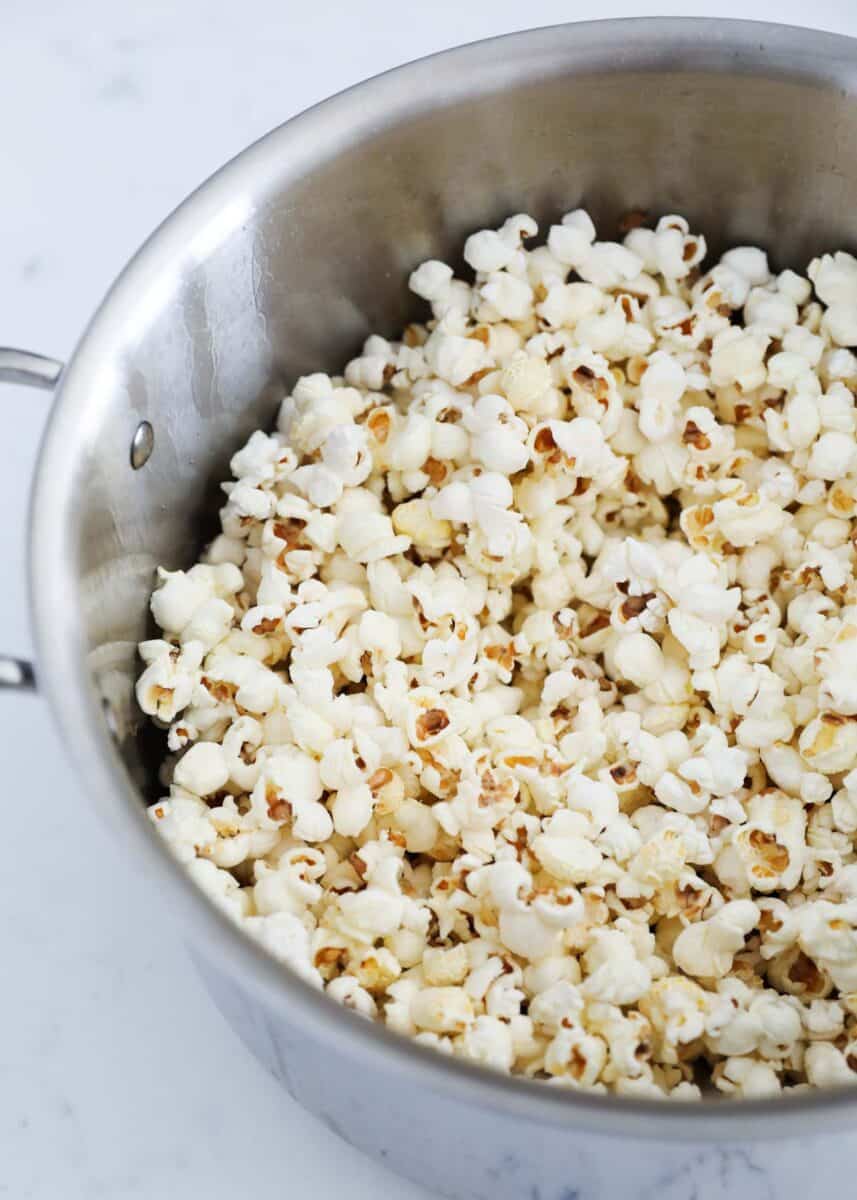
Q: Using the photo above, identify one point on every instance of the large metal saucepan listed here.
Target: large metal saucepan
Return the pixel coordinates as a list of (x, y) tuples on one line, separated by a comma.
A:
[(282, 264)]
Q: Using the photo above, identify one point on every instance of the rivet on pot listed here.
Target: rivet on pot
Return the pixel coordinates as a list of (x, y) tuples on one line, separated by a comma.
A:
[(142, 444)]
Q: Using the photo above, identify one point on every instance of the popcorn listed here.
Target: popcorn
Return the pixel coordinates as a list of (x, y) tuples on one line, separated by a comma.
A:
[(576, 1057), (510, 298), (526, 382), (184, 822), (832, 456), (414, 520), (748, 262), (430, 280), (661, 389), (290, 886), (826, 1066), (352, 810), (639, 658), (677, 1008), (347, 990), (834, 277), (615, 975), (737, 356), (498, 436), (202, 769), (571, 241), (446, 967), (567, 303), (828, 744), (366, 536), (488, 251), (489, 1041), (565, 850), (748, 1078), (170, 679), (827, 937), (771, 846), (290, 788), (515, 705), (706, 949), (442, 1010), (455, 358), (667, 250)]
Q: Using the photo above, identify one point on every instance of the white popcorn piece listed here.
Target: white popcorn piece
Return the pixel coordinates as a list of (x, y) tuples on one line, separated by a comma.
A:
[(430, 280), (614, 973), (510, 298), (826, 1066), (832, 456), (442, 1010), (749, 262), (527, 383), (367, 536), (639, 658), (828, 744), (568, 303), (347, 990), (706, 949), (184, 822), (202, 769), (454, 358), (291, 886), (488, 251), (748, 1077), (661, 390), (571, 241), (834, 277), (489, 1041), (737, 356), (167, 685), (771, 846), (565, 850)]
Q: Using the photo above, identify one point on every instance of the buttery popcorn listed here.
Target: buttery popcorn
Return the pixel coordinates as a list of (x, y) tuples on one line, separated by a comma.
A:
[(516, 703)]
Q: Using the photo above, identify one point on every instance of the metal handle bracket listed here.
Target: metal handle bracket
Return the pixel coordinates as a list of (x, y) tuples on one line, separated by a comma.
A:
[(34, 370), (19, 366)]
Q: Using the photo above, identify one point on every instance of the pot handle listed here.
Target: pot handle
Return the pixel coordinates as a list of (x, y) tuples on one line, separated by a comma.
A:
[(18, 366)]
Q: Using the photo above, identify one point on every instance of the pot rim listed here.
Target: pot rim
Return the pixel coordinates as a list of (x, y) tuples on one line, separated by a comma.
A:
[(686, 43)]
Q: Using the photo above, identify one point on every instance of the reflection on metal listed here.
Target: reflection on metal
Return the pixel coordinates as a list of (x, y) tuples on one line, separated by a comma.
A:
[(19, 366), (35, 370), (18, 674)]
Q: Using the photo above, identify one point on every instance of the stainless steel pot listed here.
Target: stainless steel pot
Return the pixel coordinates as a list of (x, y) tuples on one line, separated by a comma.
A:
[(280, 265)]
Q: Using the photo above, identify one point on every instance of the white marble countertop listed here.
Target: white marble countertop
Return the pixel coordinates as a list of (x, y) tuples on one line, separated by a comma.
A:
[(117, 1077)]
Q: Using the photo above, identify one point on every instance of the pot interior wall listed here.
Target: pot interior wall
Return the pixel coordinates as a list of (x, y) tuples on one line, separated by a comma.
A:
[(291, 279)]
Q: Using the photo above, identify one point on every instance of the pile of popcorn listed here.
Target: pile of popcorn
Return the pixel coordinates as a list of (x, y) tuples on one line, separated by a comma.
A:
[(516, 704)]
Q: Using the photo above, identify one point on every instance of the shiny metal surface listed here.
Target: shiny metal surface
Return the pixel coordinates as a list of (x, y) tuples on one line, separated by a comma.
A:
[(142, 445), (17, 674), (34, 370), (280, 265), (19, 366)]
